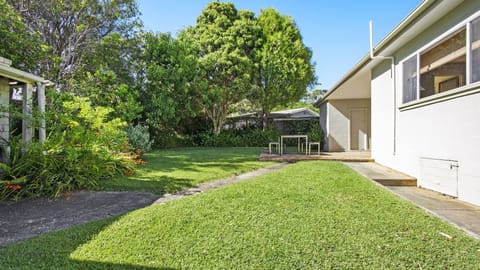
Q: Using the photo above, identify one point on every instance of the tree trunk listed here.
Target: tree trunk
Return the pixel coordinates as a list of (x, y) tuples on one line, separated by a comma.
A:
[(217, 127), (218, 119), (265, 120)]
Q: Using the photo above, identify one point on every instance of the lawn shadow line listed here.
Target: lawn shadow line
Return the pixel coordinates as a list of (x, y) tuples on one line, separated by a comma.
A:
[(59, 251), (155, 184)]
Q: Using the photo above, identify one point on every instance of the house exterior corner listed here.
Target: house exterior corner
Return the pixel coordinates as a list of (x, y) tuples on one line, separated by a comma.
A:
[(424, 111)]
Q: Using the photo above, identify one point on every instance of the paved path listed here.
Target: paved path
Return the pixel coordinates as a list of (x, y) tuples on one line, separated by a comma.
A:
[(460, 214), (29, 218)]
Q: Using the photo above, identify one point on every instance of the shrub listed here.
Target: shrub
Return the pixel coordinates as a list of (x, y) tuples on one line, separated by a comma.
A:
[(257, 137), (315, 133), (83, 147), (309, 127), (239, 137), (167, 139), (139, 137)]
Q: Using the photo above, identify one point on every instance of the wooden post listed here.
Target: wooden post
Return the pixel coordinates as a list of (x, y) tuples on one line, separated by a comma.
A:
[(4, 119), (27, 128), (41, 108)]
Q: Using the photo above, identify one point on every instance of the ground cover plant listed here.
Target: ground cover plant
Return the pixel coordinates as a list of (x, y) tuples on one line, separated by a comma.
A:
[(169, 170), (310, 215)]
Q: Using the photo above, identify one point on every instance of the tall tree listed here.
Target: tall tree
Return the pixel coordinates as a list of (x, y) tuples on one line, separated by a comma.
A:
[(284, 63), (70, 27), (225, 40), (171, 93), (113, 75), (17, 43)]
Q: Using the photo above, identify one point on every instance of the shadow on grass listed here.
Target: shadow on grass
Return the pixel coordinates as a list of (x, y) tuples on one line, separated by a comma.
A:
[(191, 159), (112, 266), (51, 251), (168, 171), (157, 185)]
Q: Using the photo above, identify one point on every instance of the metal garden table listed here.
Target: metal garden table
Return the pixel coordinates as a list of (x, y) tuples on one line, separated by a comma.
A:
[(298, 137)]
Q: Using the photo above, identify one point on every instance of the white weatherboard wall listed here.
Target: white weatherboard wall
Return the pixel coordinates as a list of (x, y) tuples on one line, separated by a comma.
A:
[(444, 130), (338, 122), (447, 130), (382, 118)]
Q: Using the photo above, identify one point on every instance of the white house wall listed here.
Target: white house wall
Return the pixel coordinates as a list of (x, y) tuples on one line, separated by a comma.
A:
[(338, 114), (443, 130), (324, 122), (447, 130), (382, 122)]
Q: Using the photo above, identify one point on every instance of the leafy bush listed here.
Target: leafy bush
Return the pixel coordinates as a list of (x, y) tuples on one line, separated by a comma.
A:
[(139, 137), (238, 137), (315, 133), (309, 127), (83, 147), (257, 137), (167, 138)]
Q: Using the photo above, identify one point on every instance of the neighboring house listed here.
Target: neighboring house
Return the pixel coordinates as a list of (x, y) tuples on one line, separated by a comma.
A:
[(421, 113), (276, 118), (17, 85), (294, 114)]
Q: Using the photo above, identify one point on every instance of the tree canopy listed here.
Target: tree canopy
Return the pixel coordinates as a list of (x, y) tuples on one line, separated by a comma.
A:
[(172, 89), (72, 29), (230, 60), (225, 40), (18, 44), (284, 63)]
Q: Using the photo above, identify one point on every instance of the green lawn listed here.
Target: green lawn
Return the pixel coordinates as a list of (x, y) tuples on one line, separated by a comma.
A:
[(176, 169), (310, 215)]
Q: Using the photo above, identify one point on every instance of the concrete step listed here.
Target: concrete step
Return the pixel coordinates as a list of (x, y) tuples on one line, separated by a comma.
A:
[(384, 175), (398, 182)]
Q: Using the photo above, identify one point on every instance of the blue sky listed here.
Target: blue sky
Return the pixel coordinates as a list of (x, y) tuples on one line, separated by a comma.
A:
[(335, 30)]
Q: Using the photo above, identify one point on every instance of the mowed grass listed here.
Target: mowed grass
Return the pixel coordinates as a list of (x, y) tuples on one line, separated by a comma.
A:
[(176, 169), (310, 215)]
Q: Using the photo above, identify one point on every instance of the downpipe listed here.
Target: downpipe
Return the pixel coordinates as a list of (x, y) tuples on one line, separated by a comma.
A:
[(394, 87)]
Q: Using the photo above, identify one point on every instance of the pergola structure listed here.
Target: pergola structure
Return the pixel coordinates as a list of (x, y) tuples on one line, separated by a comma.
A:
[(28, 83)]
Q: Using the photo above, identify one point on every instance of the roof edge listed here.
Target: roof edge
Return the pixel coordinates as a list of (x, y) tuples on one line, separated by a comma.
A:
[(380, 46)]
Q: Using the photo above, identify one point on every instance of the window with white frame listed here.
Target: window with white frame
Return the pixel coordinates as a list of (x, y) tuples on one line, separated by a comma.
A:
[(410, 79), (475, 50), (443, 66)]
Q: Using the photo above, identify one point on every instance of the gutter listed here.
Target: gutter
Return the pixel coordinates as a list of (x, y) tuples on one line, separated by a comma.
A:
[(380, 46)]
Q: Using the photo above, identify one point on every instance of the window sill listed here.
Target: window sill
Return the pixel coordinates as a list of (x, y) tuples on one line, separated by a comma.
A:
[(470, 89)]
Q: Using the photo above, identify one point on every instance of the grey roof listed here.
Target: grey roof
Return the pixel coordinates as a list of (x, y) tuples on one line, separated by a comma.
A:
[(298, 113)]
